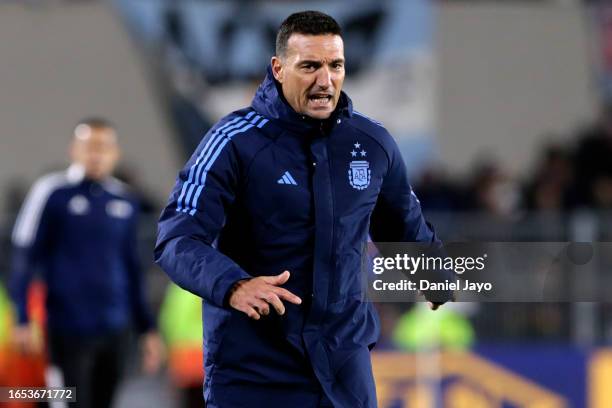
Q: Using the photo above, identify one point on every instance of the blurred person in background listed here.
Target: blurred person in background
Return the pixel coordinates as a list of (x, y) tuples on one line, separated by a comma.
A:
[(19, 369), (180, 322), (78, 228), (549, 188), (437, 191), (268, 220), (450, 329), (593, 163), (494, 191)]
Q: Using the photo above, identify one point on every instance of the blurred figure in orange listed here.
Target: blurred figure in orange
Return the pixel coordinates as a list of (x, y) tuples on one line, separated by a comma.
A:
[(23, 369), (78, 227), (180, 322)]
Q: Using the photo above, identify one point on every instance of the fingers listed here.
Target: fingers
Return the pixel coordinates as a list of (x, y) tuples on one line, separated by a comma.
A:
[(252, 313), (261, 306), (280, 292), (256, 296), (278, 279), (245, 306), (288, 296), (274, 300)]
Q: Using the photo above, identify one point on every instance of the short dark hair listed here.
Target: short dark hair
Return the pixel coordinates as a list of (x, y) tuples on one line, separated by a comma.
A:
[(96, 122), (305, 22), (93, 122)]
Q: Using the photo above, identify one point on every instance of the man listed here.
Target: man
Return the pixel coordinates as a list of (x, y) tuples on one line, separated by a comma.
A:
[(268, 221), (79, 227)]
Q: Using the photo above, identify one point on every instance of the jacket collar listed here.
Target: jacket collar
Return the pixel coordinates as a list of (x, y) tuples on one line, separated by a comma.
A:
[(270, 102), (75, 173)]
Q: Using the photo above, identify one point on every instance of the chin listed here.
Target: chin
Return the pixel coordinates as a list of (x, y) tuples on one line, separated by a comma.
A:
[(96, 175), (320, 114)]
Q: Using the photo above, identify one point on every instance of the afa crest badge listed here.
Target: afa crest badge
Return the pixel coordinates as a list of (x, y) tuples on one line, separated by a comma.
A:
[(359, 172)]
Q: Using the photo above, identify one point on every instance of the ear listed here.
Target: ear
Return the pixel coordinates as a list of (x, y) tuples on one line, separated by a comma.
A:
[(277, 68)]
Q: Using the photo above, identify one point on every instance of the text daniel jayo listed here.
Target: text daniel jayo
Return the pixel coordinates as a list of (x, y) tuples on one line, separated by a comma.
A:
[(424, 284)]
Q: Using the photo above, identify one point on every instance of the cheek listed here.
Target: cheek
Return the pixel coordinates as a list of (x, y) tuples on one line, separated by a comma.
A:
[(339, 80), (299, 89), (109, 159)]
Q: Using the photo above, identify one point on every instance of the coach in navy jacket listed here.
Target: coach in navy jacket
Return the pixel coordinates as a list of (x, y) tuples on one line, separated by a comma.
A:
[(81, 234), (285, 193), (78, 229)]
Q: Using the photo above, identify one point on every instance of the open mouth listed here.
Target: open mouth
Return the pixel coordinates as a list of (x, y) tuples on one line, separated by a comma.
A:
[(320, 99)]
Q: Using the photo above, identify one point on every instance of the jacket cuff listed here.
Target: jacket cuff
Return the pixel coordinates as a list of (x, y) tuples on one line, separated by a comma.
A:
[(220, 290)]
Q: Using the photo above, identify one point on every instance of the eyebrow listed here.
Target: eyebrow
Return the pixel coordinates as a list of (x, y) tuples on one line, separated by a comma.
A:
[(318, 63)]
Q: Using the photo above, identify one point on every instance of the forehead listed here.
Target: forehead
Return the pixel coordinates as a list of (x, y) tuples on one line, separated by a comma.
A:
[(315, 47)]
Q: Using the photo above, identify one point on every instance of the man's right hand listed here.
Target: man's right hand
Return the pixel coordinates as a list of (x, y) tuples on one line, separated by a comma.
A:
[(25, 339), (254, 296)]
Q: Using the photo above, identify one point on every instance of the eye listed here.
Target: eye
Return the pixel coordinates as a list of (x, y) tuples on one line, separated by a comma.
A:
[(338, 66), (308, 67)]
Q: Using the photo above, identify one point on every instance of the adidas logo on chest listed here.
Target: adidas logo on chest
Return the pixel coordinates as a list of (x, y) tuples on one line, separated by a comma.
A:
[(287, 178)]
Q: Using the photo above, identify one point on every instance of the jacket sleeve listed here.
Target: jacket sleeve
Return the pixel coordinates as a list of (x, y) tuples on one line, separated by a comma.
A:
[(193, 218), (30, 240), (141, 313), (397, 217)]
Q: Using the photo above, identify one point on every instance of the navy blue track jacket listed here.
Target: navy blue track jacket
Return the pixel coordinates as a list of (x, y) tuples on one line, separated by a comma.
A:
[(81, 235), (269, 190)]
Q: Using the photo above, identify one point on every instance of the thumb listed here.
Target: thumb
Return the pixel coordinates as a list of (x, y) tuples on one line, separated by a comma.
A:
[(280, 278)]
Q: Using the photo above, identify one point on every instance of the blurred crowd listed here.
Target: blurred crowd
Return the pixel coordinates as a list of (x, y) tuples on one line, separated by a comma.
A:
[(566, 196), (567, 176)]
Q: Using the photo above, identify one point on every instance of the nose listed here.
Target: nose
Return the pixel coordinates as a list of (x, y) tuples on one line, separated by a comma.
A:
[(324, 80)]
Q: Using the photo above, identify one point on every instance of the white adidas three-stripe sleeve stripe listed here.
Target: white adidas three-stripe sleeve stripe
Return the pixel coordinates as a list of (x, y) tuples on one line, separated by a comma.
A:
[(31, 211)]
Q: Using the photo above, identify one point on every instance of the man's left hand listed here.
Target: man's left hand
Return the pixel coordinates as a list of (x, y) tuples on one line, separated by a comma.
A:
[(153, 352)]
